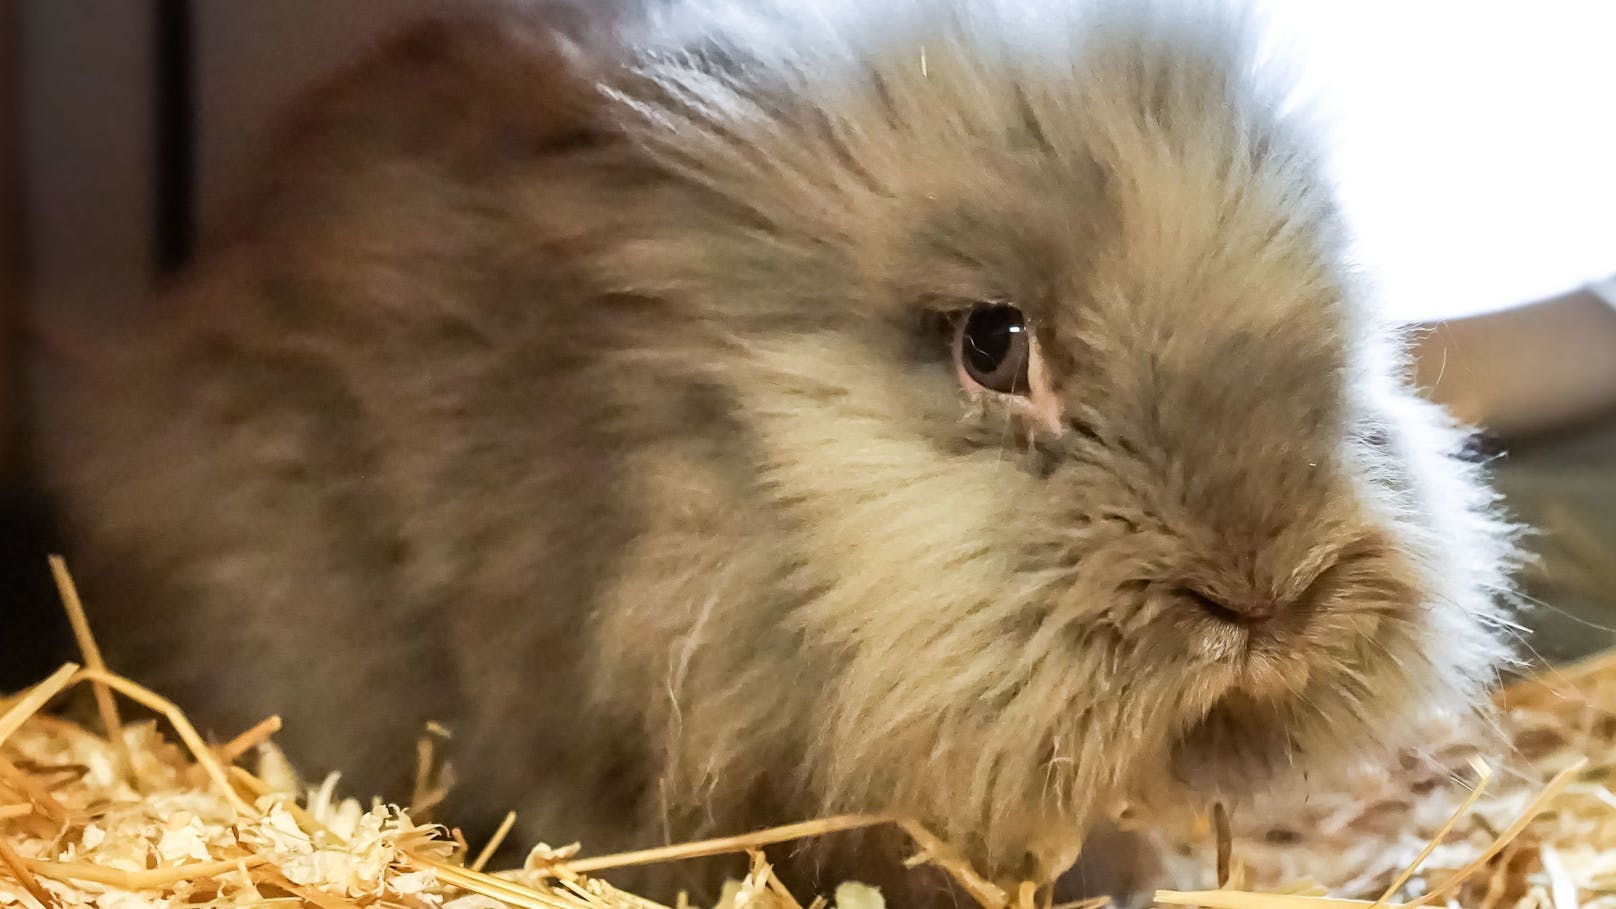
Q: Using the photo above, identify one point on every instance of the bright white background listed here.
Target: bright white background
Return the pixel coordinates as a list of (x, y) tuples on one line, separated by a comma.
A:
[(1475, 142)]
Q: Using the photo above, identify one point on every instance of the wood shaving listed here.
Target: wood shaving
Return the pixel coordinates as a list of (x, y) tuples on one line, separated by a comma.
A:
[(135, 819), (1441, 827)]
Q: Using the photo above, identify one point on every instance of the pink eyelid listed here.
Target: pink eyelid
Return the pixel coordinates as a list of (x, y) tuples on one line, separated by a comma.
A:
[(1039, 407)]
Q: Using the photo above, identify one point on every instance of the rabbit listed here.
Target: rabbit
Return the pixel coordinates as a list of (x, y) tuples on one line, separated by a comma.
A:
[(721, 415)]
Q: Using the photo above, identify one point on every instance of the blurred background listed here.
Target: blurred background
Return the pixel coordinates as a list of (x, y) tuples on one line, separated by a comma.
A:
[(1475, 151)]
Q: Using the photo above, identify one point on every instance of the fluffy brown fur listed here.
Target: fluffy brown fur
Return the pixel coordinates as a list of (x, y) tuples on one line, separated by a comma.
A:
[(582, 393)]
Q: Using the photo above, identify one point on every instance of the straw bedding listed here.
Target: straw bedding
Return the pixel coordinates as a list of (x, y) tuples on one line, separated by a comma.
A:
[(131, 815)]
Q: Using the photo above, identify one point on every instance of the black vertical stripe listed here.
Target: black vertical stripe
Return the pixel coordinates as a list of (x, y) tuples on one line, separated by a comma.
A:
[(175, 108)]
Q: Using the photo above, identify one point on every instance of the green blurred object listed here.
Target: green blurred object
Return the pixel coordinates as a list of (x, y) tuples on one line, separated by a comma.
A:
[(1564, 488)]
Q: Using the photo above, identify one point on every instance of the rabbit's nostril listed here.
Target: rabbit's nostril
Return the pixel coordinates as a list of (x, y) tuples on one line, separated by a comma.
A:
[(1216, 608)]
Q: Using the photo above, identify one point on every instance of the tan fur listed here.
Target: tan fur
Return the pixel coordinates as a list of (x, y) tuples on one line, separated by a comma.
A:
[(601, 425)]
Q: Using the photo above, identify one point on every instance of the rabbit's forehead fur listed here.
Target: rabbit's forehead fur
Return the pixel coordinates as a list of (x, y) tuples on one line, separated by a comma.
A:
[(1236, 422)]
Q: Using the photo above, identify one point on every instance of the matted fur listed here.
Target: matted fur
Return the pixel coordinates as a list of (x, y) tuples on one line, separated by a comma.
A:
[(581, 396)]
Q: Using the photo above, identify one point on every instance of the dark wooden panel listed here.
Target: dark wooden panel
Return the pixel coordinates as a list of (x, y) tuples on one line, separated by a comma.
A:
[(79, 132), (88, 153), (10, 253)]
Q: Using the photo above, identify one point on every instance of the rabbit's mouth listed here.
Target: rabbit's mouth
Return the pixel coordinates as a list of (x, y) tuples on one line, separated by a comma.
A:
[(1243, 740)]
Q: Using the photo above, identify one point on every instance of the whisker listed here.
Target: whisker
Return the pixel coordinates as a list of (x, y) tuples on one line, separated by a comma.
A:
[(1564, 613)]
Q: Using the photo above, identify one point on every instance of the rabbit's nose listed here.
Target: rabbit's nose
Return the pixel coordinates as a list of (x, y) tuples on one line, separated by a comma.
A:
[(1244, 611)]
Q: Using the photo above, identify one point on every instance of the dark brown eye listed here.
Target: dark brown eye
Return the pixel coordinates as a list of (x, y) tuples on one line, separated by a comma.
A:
[(993, 348)]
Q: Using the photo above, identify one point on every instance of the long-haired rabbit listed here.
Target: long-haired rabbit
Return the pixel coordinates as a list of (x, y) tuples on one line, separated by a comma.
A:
[(729, 414)]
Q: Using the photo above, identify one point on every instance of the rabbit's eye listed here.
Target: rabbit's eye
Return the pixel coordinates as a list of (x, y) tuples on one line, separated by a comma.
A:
[(997, 359), (993, 348)]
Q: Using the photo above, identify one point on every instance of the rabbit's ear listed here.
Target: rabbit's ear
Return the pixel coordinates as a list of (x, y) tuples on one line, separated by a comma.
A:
[(464, 91), (528, 77)]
